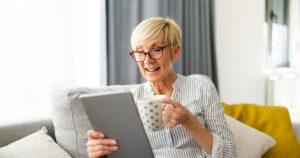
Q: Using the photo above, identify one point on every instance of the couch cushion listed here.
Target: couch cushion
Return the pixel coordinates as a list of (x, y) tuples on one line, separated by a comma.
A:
[(70, 120), (35, 145), (13, 131), (272, 120)]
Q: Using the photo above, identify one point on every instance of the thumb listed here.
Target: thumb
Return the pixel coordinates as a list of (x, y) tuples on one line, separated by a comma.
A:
[(169, 101)]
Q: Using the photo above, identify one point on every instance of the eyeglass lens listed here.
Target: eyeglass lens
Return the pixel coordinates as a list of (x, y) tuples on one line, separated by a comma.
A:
[(155, 53)]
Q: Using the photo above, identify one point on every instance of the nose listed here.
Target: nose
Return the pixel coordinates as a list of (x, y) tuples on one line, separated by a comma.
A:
[(148, 59)]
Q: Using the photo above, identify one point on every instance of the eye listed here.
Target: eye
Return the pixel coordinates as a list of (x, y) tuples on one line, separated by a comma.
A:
[(157, 49), (138, 54)]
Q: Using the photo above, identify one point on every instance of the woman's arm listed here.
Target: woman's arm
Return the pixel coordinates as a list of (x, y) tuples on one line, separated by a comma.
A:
[(201, 134), (223, 145), (215, 136)]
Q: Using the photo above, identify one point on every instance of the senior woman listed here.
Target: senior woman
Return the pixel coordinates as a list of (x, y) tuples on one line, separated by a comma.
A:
[(196, 126)]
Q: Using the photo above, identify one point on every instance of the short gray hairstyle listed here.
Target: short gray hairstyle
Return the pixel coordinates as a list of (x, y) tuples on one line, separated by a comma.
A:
[(157, 27)]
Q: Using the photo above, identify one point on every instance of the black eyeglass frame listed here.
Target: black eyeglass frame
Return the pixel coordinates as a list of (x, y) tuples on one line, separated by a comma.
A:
[(145, 53)]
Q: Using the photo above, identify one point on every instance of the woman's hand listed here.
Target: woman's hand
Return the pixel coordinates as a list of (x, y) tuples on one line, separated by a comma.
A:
[(174, 113), (98, 145)]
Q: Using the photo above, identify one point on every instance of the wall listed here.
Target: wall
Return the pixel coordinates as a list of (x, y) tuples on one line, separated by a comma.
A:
[(240, 50)]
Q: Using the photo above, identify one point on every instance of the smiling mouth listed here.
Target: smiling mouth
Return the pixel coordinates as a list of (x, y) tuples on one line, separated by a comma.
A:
[(152, 69)]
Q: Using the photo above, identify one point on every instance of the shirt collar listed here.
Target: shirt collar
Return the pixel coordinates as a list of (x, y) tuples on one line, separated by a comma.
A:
[(175, 85)]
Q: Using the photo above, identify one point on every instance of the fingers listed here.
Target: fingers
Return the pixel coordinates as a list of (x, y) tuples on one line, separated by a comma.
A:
[(101, 142), (169, 112), (98, 154), (174, 113), (98, 145), (169, 117), (169, 107), (169, 123), (94, 134), (100, 150), (170, 101), (96, 148)]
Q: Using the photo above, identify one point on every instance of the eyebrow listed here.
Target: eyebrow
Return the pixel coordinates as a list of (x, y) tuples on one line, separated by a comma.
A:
[(139, 47)]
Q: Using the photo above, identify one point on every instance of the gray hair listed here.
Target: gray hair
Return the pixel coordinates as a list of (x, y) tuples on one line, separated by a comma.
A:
[(157, 27)]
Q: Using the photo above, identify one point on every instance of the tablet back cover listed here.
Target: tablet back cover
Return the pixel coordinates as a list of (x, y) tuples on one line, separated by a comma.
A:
[(115, 115)]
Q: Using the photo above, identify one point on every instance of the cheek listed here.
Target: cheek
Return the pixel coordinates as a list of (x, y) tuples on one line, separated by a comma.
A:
[(141, 67), (167, 64)]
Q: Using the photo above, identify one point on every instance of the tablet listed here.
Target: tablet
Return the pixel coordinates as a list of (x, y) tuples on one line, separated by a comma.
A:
[(115, 115)]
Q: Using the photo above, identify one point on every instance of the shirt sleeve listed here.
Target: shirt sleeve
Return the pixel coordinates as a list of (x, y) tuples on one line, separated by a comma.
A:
[(223, 145)]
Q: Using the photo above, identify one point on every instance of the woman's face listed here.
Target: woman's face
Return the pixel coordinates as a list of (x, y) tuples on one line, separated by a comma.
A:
[(156, 70)]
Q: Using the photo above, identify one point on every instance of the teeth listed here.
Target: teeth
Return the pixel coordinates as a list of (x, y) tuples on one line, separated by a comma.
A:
[(152, 69)]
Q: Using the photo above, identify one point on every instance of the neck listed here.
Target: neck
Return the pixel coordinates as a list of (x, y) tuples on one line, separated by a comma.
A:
[(165, 86)]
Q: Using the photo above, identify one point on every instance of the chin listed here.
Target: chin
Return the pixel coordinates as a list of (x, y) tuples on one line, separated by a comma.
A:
[(152, 78)]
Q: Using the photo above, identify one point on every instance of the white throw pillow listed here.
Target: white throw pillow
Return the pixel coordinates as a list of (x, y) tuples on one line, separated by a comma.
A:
[(250, 143), (36, 145)]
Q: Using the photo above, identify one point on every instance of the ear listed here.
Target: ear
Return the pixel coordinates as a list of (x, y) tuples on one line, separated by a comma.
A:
[(176, 53)]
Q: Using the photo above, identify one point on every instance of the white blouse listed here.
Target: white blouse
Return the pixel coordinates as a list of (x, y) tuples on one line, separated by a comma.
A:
[(198, 95)]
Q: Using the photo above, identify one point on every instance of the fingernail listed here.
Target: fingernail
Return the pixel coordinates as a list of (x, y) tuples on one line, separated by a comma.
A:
[(115, 147), (101, 134)]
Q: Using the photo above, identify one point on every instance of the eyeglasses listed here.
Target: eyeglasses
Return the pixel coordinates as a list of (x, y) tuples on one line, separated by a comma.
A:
[(154, 53)]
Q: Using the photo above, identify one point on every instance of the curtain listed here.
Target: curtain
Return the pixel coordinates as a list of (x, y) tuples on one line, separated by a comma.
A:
[(195, 18), (46, 45)]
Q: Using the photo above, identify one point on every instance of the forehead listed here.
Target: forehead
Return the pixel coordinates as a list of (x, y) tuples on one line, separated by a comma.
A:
[(150, 43)]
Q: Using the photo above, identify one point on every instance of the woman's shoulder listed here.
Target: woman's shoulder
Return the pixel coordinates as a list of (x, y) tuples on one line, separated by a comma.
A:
[(139, 90), (196, 82), (198, 79)]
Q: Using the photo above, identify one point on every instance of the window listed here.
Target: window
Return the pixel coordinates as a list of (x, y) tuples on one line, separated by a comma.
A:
[(283, 80), (47, 45), (277, 26), (294, 35), (283, 34)]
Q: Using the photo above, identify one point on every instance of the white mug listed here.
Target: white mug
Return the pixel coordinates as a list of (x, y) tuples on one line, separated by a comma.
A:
[(150, 109)]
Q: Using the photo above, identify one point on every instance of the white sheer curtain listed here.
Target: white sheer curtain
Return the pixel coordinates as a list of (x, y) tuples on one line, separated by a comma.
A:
[(45, 45), (294, 35)]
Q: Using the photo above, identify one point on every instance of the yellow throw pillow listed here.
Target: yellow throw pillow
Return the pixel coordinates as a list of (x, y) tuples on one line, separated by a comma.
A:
[(272, 120)]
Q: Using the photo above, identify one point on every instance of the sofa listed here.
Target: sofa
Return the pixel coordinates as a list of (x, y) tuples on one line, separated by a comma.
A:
[(256, 132)]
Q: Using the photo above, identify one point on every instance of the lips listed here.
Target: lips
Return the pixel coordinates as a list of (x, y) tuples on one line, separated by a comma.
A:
[(152, 69)]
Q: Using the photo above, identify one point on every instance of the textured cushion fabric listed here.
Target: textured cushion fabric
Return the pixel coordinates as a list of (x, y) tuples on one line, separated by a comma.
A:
[(70, 120), (250, 143), (12, 131), (36, 145), (272, 120)]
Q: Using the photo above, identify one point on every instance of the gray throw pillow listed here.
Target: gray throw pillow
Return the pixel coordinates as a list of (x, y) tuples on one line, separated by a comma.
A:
[(35, 145), (70, 120)]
